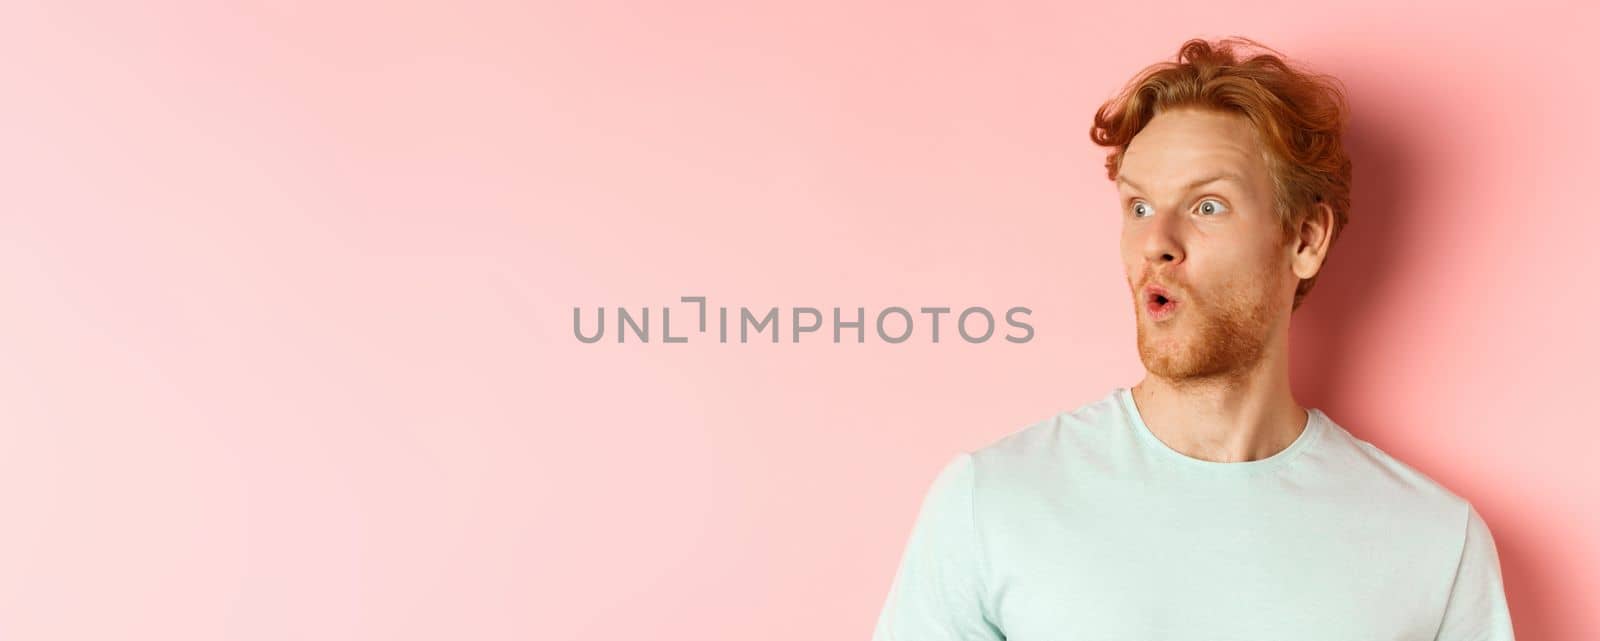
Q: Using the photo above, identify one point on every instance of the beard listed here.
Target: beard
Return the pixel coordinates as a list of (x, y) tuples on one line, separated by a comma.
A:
[(1220, 337)]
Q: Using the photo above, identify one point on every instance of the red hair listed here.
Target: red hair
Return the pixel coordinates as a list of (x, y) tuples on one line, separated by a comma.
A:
[(1298, 115)]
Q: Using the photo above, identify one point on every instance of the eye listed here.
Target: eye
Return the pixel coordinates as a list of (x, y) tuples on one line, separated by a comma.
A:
[(1140, 209), (1212, 207)]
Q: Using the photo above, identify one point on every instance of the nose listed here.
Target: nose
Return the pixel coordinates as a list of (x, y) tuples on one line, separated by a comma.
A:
[(1162, 240)]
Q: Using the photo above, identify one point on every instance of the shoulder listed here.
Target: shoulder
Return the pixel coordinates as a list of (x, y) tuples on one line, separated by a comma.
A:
[(1387, 484), (1042, 437), (1043, 450), (1380, 468)]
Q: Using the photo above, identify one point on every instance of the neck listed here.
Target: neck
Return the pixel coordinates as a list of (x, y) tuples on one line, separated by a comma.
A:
[(1241, 415)]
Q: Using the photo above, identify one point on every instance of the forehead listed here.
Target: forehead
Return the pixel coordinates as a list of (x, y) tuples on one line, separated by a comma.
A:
[(1180, 145)]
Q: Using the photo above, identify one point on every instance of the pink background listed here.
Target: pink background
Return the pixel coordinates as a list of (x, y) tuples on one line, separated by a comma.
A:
[(288, 294)]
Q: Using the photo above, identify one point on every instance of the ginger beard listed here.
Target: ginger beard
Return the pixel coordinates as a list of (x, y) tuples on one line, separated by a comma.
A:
[(1214, 335)]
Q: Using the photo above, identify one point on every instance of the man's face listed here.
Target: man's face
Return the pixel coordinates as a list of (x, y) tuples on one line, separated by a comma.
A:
[(1205, 259)]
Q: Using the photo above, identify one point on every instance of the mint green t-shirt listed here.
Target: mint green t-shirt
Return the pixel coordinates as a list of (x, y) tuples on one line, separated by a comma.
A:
[(1087, 527)]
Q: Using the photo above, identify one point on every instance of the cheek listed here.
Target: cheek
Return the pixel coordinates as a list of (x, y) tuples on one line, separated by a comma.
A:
[(1249, 277), (1224, 275), (1131, 258)]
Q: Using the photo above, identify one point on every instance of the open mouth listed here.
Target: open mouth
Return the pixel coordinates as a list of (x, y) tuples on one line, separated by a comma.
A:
[(1159, 303)]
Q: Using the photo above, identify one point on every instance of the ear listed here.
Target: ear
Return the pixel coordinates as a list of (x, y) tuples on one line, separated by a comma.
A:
[(1311, 241)]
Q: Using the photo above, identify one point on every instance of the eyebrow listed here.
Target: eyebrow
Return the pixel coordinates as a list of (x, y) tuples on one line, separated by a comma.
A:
[(1227, 175)]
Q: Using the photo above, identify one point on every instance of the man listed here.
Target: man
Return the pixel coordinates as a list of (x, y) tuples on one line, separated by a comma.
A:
[(1204, 503)]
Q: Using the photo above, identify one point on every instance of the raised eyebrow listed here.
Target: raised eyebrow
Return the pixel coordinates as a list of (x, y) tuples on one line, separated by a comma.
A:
[(1227, 175)]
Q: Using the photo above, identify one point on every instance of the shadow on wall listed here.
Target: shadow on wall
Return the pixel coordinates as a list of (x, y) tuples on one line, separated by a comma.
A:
[(1329, 330)]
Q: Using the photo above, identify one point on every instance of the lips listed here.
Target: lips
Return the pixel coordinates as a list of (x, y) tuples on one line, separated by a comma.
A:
[(1159, 303)]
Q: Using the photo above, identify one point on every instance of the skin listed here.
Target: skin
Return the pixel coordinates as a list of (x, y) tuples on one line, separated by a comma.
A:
[(1217, 371)]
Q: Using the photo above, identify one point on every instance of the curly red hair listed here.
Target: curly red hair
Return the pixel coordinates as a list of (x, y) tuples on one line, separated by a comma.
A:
[(1299, 116)]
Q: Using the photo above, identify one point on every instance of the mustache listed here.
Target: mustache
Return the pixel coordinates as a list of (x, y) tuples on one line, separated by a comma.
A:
[(1177, 289)]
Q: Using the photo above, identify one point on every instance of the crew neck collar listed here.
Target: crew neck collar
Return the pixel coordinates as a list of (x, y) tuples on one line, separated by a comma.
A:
[(1315, 425)]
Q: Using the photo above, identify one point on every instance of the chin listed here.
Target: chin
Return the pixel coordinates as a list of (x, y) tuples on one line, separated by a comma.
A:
[(1166, 362), (1171, 352)]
